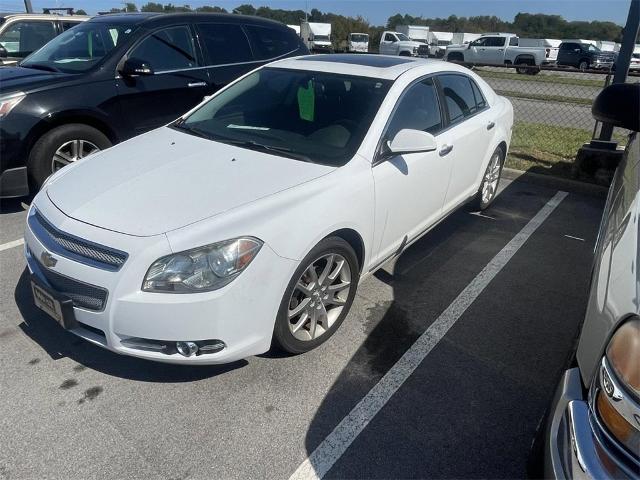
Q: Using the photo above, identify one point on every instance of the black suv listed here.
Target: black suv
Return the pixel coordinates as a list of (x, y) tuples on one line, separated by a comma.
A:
[(116, 76), (584, 56)]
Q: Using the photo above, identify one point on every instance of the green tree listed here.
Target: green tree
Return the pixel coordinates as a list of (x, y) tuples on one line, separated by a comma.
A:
[(80, 12), (152, 7)]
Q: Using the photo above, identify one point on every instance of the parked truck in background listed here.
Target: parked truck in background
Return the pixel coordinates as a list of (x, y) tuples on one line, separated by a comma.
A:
[(358, 43), (585, 56), (397, 43), (500, 49), (438, 43), (316, 36)]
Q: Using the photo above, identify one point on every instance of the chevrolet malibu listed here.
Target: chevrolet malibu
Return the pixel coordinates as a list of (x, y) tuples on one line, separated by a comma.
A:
[(251, 219)]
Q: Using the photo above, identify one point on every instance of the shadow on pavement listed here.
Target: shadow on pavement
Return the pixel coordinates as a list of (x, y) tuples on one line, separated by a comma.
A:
[(59, 343), (471, 408)]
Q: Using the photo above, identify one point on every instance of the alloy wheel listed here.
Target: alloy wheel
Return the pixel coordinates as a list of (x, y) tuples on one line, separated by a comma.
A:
[(72, 151), (319, 296), (491, 178)]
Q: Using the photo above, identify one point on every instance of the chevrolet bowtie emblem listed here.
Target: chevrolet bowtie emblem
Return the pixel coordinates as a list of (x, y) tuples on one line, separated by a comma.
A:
[(48, 260)]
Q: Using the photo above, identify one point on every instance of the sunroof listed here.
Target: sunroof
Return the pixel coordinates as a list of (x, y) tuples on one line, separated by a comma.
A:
[(365, 60)]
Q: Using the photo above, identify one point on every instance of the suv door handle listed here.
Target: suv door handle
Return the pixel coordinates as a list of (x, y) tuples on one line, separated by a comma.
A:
[(490, 125), (196, 84), (445, 150)]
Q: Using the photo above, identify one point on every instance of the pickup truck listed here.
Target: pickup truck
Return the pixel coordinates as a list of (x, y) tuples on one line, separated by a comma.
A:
[(396, 43), (500, 49)]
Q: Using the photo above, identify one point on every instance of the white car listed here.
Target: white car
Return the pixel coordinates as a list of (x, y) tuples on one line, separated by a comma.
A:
[(254, 216)]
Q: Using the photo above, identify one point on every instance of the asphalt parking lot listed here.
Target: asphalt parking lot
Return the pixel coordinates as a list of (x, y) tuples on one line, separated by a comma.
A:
[(469, 409)]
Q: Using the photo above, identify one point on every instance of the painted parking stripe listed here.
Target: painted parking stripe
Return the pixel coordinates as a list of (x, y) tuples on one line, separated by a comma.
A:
[(15, 243), (333, 447)]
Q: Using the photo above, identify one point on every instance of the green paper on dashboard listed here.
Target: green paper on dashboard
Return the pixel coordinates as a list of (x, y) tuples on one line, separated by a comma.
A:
[(306, 102)]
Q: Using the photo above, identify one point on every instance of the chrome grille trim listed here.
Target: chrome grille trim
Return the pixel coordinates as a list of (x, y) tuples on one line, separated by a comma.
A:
[(75, 248)]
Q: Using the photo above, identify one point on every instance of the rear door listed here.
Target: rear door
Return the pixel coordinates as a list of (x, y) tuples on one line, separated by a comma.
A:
[(227, 53), (178, 82), (467, 137)]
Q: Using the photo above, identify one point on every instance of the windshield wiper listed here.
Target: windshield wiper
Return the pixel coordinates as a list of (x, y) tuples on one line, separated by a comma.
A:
[(180, 125), (253, 145), (41, 66)]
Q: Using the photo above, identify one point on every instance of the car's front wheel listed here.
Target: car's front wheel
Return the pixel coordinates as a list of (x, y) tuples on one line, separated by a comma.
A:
[(61, 146), (318, 297)]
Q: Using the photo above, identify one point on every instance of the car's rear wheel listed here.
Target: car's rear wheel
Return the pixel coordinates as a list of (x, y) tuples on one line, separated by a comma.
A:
[(318, 297), (489, 186), (61, 146), (583, 65)]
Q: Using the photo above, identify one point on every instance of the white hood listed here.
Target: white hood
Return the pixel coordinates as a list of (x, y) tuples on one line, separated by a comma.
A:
[(166, 179)]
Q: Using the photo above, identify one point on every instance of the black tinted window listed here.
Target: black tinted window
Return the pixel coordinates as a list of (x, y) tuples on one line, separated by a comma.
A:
[(270, 42), (480, 101), (168, 49), (495, 41), (67, 25), (389, 37), (418, 110), (25, 37), (224, 43), (458, 95)]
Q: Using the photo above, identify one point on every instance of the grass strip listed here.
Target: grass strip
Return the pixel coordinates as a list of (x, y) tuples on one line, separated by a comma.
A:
[(545, 98), (558, 79)]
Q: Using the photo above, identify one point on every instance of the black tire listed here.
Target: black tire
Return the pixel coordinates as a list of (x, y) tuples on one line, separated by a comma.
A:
[(583, 65), (455, 57), (283, 338), (40, 158), (405, 54), (478, 204)]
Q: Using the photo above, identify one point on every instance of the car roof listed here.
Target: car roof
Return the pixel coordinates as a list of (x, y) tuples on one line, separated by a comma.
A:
[(385, 67), (41, 16), (154, 19)]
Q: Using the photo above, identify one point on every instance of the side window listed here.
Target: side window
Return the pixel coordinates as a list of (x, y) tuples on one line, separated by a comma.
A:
[(459, 97), (67, 25), (480, 101), (389, 37), (224, 43), (418, 109), (495, 41), (480, 42), (24, 37), (270, 42), (168, 49), (513, 41)]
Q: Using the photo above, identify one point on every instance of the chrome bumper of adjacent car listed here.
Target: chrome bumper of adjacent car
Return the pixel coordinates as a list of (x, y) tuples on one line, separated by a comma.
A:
[(573, 448)]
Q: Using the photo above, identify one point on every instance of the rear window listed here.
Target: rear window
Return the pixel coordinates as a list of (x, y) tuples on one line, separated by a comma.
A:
[(168, 49), (270, 42), (224, 43), (459, 96)]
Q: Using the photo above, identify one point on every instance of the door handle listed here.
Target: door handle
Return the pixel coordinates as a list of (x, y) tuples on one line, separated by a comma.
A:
[(445, 150), (490, 125), (196, 84)]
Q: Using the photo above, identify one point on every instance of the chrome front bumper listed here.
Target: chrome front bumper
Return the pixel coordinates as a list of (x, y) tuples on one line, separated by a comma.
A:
[(572, 449)]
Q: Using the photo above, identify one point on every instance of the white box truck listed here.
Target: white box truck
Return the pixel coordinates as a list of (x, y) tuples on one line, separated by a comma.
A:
[(358, 43), (417, 33), (316, 36)]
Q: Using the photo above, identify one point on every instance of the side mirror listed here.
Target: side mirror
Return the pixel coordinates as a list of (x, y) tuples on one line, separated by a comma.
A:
[(134, 66), (470, 45), (3, 52), (619, 105), (410, 141)]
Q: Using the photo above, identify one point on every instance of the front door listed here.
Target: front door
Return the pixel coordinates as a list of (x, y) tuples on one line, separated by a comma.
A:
[(494, 50), (410, 189), (177, 84), (388, 44)]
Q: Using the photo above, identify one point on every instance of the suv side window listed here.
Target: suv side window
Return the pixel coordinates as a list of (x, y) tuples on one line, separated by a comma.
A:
[(168, 49), (458, 95), (23, 37), (418, 109), (224, 43), (270, 42)]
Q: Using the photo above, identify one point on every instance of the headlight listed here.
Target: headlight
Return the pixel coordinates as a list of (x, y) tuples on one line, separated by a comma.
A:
[(623, 353), (201, 269), (9, 101)]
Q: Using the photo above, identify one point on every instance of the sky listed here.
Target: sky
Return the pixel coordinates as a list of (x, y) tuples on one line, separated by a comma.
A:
[(377, 11)]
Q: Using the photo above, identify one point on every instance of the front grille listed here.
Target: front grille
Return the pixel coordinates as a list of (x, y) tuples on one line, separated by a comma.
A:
[(423, 50), (82, 294), (73, 247)]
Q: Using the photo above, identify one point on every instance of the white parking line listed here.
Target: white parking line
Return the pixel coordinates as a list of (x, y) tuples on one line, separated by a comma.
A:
[(575, 238), (333, 447), (8, 245)]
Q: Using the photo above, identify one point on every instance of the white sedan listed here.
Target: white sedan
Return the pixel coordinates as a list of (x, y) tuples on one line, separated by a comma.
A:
[(251, 219)]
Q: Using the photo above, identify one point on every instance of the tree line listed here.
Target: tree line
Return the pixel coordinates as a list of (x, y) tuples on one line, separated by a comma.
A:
[(524, 24)]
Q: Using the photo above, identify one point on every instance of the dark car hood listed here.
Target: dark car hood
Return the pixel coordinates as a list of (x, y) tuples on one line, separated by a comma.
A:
[(25, 80)]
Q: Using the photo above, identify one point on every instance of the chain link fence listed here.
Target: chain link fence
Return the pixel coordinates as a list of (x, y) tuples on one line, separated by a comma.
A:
[(552, 111)]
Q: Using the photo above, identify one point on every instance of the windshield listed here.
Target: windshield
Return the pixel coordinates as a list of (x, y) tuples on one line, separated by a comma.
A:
[(359, 37), (592, 48), (310, 116), (402, 37), (321, 38), (80, 48)]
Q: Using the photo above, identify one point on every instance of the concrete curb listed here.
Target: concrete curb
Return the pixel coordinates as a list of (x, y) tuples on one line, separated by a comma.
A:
[(556, 183)]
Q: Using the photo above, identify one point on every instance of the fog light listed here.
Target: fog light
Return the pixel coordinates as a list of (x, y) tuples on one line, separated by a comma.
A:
[(186, 349)]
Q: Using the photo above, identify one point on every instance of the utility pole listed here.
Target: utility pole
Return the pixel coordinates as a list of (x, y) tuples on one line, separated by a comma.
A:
[(624, 57), (27, 6)]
